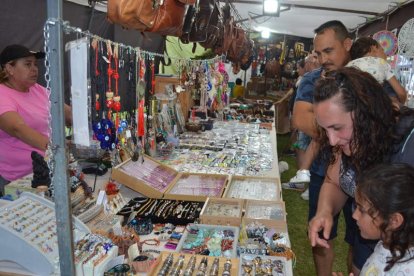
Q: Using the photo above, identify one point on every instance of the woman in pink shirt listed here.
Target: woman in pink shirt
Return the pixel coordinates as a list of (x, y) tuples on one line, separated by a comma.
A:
[(24, 112)]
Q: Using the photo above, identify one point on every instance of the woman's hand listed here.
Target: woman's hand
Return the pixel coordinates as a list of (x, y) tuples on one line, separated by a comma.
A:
[(320, 222)]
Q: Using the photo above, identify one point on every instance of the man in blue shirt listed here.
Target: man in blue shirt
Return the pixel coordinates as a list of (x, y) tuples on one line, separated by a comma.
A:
[(332, 44)]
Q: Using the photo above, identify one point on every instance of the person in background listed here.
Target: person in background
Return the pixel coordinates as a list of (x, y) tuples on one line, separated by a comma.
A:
[(302, 176), (367, 55), (361, 128), (24, 112), (384, 211), (332, 44), (238, 89)]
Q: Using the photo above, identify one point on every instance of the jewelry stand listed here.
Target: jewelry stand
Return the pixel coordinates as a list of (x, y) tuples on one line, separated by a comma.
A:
[(28, 234)]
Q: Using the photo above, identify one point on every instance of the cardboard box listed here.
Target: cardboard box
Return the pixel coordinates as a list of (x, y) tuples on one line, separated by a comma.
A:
[(138, 176), (183, 189), (160, 261), (232, 218), (249, 188)]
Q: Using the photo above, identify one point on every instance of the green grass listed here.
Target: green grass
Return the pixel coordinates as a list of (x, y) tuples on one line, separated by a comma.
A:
[(297, 214)]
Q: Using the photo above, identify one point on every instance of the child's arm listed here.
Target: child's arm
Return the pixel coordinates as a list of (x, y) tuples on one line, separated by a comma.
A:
[(399, 89)]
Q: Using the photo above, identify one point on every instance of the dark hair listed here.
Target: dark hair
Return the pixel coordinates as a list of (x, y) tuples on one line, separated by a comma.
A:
[(374, 116), (238, 81), (389, 189), (362, 46), (337, 26)]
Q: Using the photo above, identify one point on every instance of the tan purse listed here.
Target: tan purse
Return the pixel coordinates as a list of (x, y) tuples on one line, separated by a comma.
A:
[(159, 16)]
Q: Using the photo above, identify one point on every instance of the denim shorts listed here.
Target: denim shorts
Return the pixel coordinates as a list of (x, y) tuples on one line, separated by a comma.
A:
[(315, 185), (303, 141)]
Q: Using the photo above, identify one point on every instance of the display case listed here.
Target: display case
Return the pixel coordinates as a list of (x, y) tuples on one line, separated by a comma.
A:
[(197, 186), (265, 210), (29, 224), (193, 264), (212, 240), (263, 265), (222, 211), (256, 188), (148, 177)]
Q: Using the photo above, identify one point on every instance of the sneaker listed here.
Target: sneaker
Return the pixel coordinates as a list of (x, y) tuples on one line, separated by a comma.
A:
[(293, 186), (305, 195), (302, 176)]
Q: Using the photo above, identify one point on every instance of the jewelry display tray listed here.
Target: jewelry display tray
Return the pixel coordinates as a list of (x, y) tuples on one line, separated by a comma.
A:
[(197, 186), (287, 264), (17, 246), (233, 271), (254, 187), (235, 230), (149, 178)]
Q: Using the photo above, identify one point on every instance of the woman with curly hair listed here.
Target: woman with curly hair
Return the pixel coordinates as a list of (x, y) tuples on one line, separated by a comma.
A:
[(360, 127)]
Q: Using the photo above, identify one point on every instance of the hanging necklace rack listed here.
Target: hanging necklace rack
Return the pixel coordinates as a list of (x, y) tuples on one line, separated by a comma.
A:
[(67, 28)]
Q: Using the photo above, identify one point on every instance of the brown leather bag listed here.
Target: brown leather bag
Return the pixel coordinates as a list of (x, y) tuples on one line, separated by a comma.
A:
[(160, 16)]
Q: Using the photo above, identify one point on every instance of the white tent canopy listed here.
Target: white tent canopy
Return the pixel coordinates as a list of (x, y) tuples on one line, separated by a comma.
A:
[(300, 18)]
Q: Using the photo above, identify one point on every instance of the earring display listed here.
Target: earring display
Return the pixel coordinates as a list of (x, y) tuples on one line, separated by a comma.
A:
[(197, 187), (211, 240), (187, 264), (255, 265), (270, 210), (148, 178), (254, 188), (222, 211)]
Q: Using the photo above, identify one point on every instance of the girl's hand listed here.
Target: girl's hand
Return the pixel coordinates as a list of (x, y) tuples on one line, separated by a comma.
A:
[(341, 274)]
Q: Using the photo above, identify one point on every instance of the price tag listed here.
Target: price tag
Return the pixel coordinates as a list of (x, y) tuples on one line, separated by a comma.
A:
[(102, 199), (128, 133)]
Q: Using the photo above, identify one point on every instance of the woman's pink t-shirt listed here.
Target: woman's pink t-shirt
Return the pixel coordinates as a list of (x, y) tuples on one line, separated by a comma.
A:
[(33, 107)]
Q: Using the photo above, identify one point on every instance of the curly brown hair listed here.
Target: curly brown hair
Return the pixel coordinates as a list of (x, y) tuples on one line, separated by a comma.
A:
[(374, 117), (389, 189)]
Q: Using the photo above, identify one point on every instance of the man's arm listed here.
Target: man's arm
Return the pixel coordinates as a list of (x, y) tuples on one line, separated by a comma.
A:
[(303, 118)]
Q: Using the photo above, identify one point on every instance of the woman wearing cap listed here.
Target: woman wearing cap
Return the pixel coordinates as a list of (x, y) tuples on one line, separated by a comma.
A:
[(24, 112)]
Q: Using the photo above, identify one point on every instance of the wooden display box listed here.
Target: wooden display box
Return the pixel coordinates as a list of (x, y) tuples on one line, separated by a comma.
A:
[(189, 194), (232, 253), (125, 172), (286, 269), (270, 210), (233, 219), (234, 263), (279, 226), (162, 80), (250, 184), (184, 96)]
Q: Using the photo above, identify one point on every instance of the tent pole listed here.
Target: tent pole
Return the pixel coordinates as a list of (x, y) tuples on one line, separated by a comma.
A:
[(60, 176)]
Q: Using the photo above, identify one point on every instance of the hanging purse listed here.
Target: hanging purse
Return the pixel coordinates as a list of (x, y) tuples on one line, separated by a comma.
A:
[(159, 16)]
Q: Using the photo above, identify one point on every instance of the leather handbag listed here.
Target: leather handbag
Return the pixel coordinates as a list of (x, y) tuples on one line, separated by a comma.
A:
[(165, 17), (214, 27), (201, 22)]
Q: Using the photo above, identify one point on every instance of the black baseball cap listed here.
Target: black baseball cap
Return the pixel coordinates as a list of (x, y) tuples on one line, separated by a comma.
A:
[(16, 51)]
